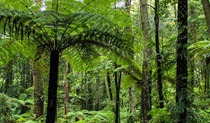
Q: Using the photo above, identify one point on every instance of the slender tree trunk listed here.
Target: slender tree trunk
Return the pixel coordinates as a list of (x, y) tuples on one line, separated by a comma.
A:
[(146, 101), (9, 77), (182, 74), (52, 88), (23, 78), (132, 106), (84, 87), (38, 85), (29, 74), (26, 74), (109, 86), (97, 97), (38, 90), (207, 78), (158, 56), (192, 39), (90, 95), (206, 8), (117, 86), (66, 88)]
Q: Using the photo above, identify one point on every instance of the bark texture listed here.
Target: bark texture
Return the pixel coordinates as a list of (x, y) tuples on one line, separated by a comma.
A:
[(146, 67), (181, 70), (206, 8), (38, 90), (9, 77), (132, 105), (158, 55)]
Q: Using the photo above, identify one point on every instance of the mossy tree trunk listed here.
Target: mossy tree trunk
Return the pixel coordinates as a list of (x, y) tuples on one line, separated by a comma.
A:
[(206, 9), (158, 56), (9, 77), (132, 105), (146, 100), (38, 90), (181, 70)]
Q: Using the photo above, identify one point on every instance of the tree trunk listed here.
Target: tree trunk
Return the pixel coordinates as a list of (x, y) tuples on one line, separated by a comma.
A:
[(38, 85), (109, 86), (38, 90), (97, 97), (9, 77), (206, 8), (23, 78), (117, 79), (207, 76), (52, 88), (192, 38), (89, 95), (181, 70), (146, 67), (158, 56), (66, 88), (83, 90), (132, 106)]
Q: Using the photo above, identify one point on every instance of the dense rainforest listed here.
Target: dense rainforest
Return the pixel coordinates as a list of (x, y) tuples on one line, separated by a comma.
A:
[(105, 61)]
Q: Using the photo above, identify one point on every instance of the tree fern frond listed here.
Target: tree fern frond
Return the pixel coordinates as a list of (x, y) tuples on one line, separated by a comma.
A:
[(49, 17)]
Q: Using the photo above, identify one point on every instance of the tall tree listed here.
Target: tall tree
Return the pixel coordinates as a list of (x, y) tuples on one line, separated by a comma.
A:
[(192, 39), (38, 85), (9, 76), (109, 86), (38, 89), (97, 92), (66, 88), (132, 105), (158, 55), (181, 59), (117, 80), (146, 67), (206, 9)]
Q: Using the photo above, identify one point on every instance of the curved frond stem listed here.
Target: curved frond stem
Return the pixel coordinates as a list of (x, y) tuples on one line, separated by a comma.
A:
[(44, 31), (64, 32), (26, 7), (86, 5)]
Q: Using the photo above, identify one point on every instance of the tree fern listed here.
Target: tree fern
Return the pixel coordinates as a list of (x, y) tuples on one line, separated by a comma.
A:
[(55, 32)]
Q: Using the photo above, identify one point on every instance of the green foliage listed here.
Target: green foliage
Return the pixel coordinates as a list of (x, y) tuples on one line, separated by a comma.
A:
[(168, 115), (5, 110), (200, 49), (159, 115), (91, 116), (13, 109)]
